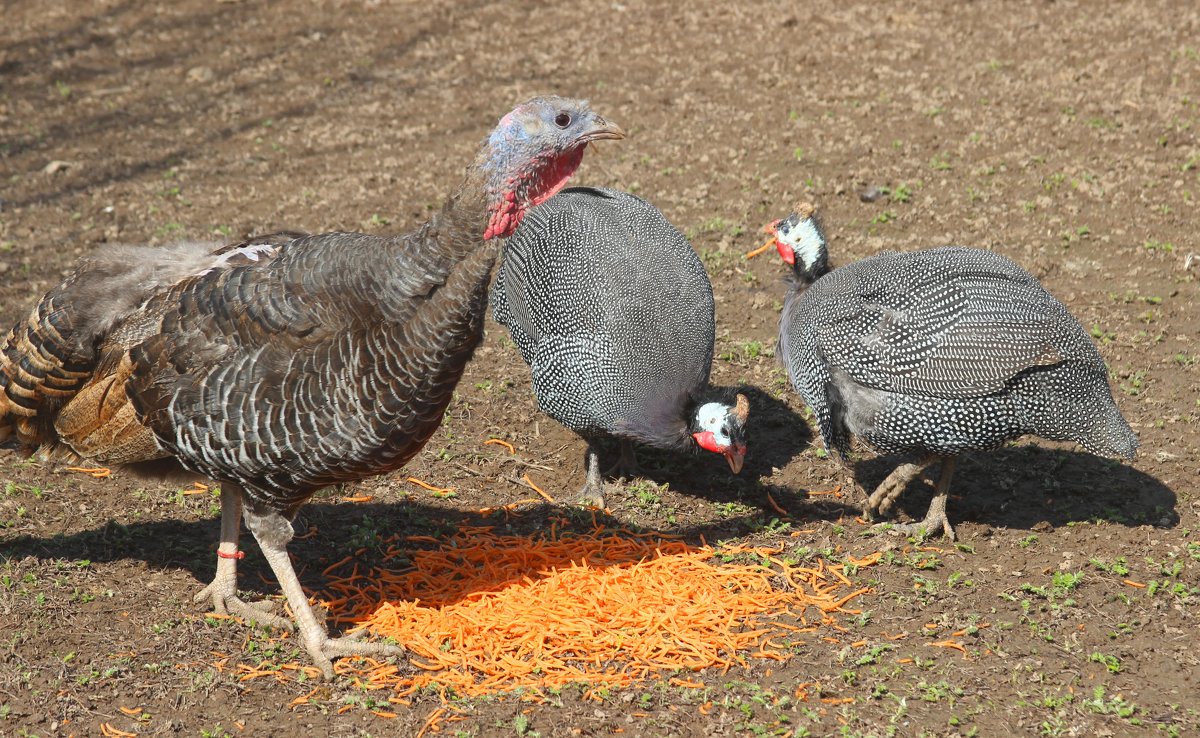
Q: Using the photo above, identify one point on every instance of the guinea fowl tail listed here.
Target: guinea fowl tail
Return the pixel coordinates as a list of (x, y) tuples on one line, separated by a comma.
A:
[(1110, 435)]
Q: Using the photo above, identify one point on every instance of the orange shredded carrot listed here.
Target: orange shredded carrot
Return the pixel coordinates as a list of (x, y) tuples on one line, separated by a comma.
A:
[(431, 722), (858, 644), (949, 644), (1132, 583), (111, 732), (869, 560), (384, 714), (430, 487), (132, 712), (358, 498), (705, 708), (498, 442), (687, 683), (770, 244), (482, 613), (301, 700), (344, 708), (835, 492), (96, 472), (837, 700), (775, 505), (537, 489), (905, 660)]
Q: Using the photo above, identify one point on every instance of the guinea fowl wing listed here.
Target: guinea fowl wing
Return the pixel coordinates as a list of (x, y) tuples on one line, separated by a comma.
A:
[(954, 332)]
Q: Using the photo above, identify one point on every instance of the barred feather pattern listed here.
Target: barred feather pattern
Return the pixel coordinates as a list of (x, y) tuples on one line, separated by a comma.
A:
[(74, 339), (332, 362), (943, 351), (612, 309)]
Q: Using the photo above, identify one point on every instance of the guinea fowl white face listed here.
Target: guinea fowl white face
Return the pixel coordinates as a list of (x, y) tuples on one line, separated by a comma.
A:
[(799, 240), (533, 152), (721, 429)]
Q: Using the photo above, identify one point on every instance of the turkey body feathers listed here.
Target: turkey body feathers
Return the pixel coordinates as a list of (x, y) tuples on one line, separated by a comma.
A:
[(612, 310), (330, 362), (943, 351)]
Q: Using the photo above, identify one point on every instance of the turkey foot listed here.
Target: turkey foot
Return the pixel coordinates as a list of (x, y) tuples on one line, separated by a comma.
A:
[(321, 648), (222, 590)]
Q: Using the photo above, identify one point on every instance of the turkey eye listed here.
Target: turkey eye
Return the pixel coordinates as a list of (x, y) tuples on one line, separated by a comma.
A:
[(562, 120)]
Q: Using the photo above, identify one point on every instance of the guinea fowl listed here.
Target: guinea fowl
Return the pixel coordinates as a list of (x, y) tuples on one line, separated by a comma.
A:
[(283, 364), (936, 352), (613, 311)]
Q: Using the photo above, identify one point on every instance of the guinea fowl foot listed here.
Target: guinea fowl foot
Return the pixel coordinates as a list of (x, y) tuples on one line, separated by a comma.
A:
[(627, 465), (592, 493), (890, 489), (934, 520), (935, 517)]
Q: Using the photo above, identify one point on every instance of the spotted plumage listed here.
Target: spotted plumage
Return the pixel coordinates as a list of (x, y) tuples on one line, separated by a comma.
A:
[(613, 311), (937, 352), (283, 364)]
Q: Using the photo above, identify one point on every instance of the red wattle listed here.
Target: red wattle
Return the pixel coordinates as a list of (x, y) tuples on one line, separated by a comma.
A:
[(785, 252), (546, 179), (708, 442)]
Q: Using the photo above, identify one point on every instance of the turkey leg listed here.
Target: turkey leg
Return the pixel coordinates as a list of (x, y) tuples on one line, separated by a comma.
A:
[(273, 532), (222, 590)]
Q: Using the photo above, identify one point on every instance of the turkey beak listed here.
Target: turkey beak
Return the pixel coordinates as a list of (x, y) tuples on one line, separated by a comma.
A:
[(601, 129), (736, 456)]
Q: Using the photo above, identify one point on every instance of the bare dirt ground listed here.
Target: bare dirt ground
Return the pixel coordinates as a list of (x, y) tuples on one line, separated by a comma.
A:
[(1062, 134)]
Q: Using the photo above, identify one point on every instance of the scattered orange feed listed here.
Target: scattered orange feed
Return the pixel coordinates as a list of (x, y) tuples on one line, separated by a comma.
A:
[(99, 472), (498, 442), (483, 613)]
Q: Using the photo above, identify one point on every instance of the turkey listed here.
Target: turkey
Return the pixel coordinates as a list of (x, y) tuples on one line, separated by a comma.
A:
[(613, 311), (286, 363), (936, 352)]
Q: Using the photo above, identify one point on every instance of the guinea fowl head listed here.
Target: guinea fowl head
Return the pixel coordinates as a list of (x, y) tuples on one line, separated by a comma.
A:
[(721, 428), (532, 153), (801, 242)]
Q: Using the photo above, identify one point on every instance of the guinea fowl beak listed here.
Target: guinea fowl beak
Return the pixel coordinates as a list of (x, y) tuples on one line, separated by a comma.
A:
[(768, 229), (736, 457)]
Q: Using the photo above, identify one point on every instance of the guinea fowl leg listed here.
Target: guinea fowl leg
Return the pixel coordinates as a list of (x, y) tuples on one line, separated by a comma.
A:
[(592, 494), (273, 532), (935, 517), (890, 489), (627, 465), (222, 590)]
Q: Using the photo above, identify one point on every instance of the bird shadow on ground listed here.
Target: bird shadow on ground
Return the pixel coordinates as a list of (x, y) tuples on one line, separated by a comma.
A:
[(775, 435), (341, 538), (1030, 486)]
